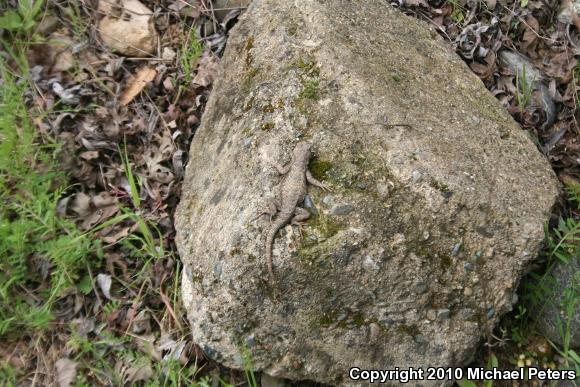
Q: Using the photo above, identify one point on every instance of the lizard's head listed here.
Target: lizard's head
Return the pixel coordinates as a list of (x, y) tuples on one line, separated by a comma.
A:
[(302, 150)]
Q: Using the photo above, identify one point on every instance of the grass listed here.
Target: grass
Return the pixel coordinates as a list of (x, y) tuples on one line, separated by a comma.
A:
[(32, 235), (524, 89), (43, 256), (191, 51)]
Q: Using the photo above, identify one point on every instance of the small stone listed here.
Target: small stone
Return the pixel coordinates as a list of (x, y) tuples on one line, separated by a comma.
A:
[(309, 205), (456, 249), (489, 253), (383, 190), (476, 120), (468, 266), (476, 257), (419, 339), (217, 269), (443, 314), (416, 177), (426, 235), (421, 288), (490, 313), (327, 200), (343, 209), (431, 314), (467, 292), (369, 263), (168, 54), (375, 331), (466, 313), (251, 341)]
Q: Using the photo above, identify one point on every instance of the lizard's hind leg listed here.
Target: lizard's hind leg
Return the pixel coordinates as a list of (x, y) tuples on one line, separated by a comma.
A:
[(300, 217)]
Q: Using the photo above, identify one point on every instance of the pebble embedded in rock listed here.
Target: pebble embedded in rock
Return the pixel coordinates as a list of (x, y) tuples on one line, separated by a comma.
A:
[(343, 209), (443, 314)]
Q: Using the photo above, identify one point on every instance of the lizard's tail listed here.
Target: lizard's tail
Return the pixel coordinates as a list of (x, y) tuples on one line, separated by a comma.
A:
[(269, 243)]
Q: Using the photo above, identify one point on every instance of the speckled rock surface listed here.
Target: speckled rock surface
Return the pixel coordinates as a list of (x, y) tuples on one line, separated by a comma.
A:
[(418, 247)]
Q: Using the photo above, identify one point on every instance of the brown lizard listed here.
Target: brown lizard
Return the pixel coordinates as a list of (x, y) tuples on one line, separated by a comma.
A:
[(293, 189)]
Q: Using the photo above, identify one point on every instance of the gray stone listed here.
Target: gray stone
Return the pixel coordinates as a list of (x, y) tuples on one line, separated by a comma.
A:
[(343, 209), (443, 314), (564, 285), (324, 72)]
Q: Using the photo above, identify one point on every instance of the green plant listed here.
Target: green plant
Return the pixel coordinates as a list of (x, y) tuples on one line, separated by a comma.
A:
[(74, 16), (22, 19), (457, 13), (519, 330), (191, 51), (248, 367), (564, 242), (573, 191), (7, 374), (31, 232), (524, 89), (146, 242)]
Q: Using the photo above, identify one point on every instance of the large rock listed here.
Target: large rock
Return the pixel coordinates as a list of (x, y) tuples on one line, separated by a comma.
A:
[(436, 204)]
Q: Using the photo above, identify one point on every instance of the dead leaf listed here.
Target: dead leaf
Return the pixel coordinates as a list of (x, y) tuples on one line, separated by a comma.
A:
[(530, 36), (144, 75), (139, 373), (207, 70), (66, 371), (146, 344), (81, 204), (105, 282)]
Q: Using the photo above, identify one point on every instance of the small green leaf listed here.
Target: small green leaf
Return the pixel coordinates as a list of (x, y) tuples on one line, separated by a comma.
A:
[(10, 21), (86, 285), (523, 3), (574, 356)]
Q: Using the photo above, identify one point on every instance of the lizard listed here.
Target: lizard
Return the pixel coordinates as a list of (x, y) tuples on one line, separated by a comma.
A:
[(293, 190)]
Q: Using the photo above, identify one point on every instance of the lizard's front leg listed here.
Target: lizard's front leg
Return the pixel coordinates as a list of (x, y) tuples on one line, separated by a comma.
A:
[(315, 182), (271, 209), (282, 169)]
